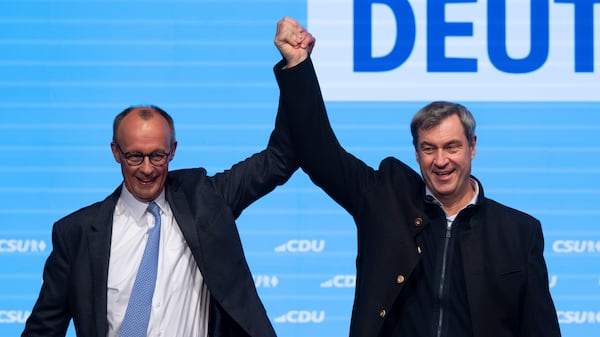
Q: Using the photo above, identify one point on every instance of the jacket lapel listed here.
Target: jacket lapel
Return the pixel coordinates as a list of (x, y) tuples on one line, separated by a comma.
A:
[(99, 237), (216, 254), (183, 214)]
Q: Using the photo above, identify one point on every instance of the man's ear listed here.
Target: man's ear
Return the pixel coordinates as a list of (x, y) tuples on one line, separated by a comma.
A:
[(173, 148), (473, 143), (115, 152)]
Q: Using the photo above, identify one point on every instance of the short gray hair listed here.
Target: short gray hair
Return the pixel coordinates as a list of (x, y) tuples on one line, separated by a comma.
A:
[(434, 113)]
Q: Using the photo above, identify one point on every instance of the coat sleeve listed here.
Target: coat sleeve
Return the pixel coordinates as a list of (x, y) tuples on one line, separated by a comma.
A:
[(51, 315), (539, 314), (259, 174), (340, 174)]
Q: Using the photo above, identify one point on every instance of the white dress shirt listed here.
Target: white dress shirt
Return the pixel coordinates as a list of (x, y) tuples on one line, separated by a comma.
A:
[(181, 300)]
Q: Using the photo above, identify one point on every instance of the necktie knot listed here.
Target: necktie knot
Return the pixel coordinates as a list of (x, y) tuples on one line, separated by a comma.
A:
[(154, 210)]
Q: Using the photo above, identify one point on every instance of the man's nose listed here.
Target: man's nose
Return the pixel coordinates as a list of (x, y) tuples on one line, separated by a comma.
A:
[(146, 166), (440, 158)]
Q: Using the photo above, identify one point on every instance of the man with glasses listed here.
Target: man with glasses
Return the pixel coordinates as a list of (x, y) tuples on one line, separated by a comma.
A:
[(201, 284)]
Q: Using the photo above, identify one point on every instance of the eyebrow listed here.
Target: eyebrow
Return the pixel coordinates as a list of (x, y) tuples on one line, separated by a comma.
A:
[(452, 142)]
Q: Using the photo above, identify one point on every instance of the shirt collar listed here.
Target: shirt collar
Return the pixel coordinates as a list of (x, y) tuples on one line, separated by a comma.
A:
[(429, 197), (137, 209)]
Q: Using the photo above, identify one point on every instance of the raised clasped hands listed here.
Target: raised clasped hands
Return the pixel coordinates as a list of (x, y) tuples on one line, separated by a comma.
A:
[(293, 41)]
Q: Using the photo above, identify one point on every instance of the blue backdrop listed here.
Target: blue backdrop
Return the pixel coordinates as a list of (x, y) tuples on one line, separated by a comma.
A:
[(67, 67)]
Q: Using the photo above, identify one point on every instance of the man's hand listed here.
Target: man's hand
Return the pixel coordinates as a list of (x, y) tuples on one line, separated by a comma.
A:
[(293, 41)]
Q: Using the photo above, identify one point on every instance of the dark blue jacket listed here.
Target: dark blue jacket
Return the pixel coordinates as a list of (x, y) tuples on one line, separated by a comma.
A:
[(205, 207), (505, 274)]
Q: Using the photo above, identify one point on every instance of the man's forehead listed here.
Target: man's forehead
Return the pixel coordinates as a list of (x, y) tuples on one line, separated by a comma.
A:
[(442, 136)]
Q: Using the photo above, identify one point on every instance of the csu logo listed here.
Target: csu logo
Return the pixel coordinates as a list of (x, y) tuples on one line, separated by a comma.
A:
[(576, 246), (22, 246), (578, 317), (265, 281), (13, 316), (302, 316), (301, 246), (340, 281)]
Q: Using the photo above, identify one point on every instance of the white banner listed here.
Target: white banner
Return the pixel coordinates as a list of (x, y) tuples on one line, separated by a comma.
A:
[(514, 50)]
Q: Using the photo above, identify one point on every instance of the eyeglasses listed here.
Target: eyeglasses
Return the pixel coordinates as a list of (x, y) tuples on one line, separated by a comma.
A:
[(157, 158)]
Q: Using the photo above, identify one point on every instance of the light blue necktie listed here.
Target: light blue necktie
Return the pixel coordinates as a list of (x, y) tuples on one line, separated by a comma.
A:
[(135, 322)]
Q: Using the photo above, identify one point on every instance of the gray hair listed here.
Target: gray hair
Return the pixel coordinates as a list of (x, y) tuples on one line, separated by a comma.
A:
[(434, 113)]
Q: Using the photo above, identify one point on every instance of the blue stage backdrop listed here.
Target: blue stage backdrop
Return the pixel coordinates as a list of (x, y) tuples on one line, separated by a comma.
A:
[(68, 66)]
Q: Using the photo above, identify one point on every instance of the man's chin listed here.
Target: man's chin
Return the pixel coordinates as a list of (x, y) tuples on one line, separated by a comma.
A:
[(442, 191), (145, 194)]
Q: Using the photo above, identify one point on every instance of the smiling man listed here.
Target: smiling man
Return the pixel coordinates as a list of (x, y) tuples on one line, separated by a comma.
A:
[(436, 257), (150, 137), (444, 140), (108, 276)]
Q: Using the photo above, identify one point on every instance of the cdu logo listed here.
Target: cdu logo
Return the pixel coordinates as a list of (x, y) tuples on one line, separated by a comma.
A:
[(302, 317), (340, 281), (301, 246)]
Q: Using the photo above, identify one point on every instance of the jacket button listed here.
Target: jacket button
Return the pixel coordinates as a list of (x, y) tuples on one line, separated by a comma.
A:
[(382, 313), (418, 222), (400, 279), (419, 249)]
